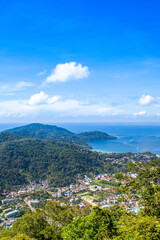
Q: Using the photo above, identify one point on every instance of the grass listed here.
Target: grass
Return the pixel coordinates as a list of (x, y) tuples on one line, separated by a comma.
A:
[(82, 194), (104, 183)]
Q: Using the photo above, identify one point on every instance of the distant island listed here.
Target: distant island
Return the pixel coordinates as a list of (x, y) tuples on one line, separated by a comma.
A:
[(54, 133), (94, 136)]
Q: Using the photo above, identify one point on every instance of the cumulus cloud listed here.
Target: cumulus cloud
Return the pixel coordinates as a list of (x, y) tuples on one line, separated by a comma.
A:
[(141, 113), (43, 105), (72, 107), (146, 99), (42, 98), (67, 71)]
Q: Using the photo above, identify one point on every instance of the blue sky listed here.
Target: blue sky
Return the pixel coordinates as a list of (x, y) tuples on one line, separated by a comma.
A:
[(79, 61)]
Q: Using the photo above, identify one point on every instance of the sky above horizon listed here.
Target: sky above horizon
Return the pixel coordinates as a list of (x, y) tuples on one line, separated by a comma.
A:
[(79, 61)]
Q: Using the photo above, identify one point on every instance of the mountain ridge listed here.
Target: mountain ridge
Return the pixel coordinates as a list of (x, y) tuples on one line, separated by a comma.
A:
[(54, 133)]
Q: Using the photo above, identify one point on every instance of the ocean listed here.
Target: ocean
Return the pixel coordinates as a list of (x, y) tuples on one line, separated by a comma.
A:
[(130, 137)]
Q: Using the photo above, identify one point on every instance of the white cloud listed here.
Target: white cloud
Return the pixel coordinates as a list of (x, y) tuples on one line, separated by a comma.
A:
[(43, 101), (43, 105), (41, 73), (7, 88), (72, 107), (141, 113), (23, 84), (67, 71), (146, 99), (42, 98)]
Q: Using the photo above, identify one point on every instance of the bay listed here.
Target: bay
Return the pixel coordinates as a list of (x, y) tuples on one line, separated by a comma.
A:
[(133, 138), (130, 137)]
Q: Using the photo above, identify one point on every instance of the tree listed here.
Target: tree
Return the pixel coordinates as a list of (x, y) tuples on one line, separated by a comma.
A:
[(35, 225), (22, 237), (146, 185), (59, 215), (97, 225), (63, 215), (138, 228), (117, 212)]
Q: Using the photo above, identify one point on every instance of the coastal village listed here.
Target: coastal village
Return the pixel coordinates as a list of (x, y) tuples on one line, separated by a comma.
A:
[(94, 190)]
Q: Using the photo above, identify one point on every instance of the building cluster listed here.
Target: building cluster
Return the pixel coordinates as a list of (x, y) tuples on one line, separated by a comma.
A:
[(90, 190)]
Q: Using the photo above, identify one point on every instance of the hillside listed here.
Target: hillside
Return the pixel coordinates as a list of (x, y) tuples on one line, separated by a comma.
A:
[(95, 135), (6, 136), (54, 133), (59, 162), (47, 132)]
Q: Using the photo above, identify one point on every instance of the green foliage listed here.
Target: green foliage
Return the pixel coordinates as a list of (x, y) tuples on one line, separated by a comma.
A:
[(22, 237), (18, 237), (97, 225), (138, 228), (63, 215), (39, 159), (146, 185), (59, 215), (95, 135), (104, 183), (6, 136), (61, 222), (60, 162), (43, 225), (54, 133), (47, 132), (35, 225), (5, 234), (117, 212)]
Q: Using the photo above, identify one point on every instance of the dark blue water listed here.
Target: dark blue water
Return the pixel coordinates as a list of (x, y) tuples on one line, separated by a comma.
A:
[(130, 138)]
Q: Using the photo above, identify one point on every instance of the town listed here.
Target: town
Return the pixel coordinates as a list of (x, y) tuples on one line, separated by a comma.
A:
[(93, 190)]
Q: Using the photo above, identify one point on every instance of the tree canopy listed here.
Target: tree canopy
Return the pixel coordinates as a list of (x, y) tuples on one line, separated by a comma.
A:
[(146, 185)]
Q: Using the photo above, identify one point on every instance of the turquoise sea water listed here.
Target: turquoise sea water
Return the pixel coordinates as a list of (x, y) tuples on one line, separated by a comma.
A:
[(130, 137)]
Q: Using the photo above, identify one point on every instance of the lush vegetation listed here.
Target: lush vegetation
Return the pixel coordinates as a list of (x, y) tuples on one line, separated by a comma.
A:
[(58, 162), (146, 184), (71, 223), (6, 136), (54, 133), (104, 183), (23, 159), (95, 135)]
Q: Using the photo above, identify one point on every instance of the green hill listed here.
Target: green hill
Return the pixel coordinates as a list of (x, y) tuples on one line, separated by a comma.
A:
[(47, 132), (38, 151), (95, 135), (54, 133), (6, 136), (33, 159)]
